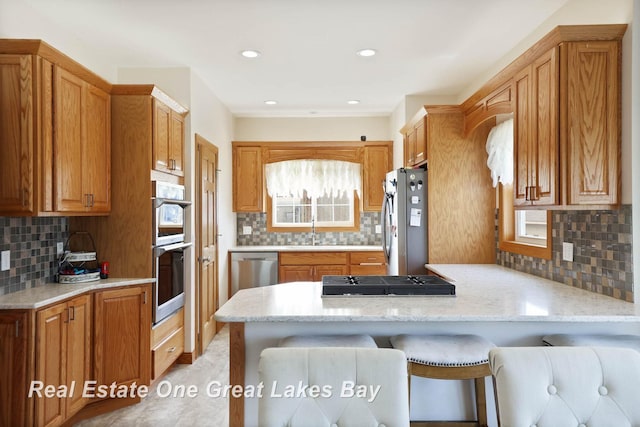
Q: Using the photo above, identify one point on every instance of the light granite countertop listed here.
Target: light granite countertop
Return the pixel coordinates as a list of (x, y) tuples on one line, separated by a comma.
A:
[(305, 248), (40, 296), (484, 292)]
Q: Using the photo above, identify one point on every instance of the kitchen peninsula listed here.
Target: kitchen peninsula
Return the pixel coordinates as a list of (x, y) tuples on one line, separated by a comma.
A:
[(507, 307)]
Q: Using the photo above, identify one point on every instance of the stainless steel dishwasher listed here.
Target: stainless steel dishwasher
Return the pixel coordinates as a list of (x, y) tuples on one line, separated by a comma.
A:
[(253, 269)]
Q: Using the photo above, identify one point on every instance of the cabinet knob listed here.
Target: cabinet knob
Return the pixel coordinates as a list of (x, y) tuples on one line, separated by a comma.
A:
[(171, 350)]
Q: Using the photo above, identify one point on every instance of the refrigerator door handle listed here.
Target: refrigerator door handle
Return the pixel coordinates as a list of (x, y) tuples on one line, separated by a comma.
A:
[(387, 212)]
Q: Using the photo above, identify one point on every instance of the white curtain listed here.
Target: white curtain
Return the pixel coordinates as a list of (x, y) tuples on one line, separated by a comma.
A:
[(317, 177), (500, 149)]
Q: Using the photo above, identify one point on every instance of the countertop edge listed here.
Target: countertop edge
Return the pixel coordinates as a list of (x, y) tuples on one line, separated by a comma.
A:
[(305, 248), (51, 293)]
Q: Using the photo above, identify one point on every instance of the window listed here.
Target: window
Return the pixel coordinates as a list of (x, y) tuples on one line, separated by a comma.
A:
[(325, 211), (522, 232), (313, 193)]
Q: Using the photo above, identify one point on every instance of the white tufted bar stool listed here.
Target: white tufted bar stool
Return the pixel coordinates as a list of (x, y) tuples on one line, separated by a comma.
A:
[(328, 341), (337, 373), (566, 386), (592, 340), (449, 357)]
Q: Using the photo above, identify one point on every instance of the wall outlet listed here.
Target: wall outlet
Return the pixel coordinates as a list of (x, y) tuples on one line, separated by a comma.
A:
[(5, 260), (246, 230), (378, 228), (567, 251), (59, 248)]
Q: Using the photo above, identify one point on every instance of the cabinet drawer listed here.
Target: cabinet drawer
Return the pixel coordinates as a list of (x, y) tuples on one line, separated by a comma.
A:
[(367, 258), (313, 258), (167, 327), (368, 270), (168, 352)]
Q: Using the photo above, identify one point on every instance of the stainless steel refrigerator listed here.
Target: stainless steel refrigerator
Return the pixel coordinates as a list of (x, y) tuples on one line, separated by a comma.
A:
[(404, 221)]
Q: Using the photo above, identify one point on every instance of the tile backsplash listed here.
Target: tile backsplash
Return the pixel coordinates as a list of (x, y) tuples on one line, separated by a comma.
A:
[(602, 260), (259, 235), (32, 245)]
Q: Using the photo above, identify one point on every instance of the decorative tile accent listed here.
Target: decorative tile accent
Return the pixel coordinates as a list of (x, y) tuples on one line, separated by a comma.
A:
[(260, 236), (32, 242), (602, 261)]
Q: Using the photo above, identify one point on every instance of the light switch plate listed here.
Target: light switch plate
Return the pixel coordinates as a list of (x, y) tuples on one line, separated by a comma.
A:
[(59, 248), (567, 251), (5, 261), (378, 228), (246, 230)]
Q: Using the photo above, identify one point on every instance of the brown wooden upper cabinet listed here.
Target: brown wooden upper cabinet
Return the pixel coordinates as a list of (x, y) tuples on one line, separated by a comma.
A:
[(249, 159), (566, 127), (415, 141), (55, 155), (168, 139)]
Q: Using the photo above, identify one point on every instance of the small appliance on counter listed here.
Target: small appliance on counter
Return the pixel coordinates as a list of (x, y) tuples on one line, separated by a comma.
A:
[(79, 262), (386, 285)]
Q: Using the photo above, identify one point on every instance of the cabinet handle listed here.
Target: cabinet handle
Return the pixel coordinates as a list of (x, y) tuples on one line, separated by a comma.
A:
[(171, 350), (144, 298), (92, 199), (534, 193), (72, 313), (17, 328)]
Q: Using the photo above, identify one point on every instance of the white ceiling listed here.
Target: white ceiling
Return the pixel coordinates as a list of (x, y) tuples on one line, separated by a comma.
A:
[(308, 62)]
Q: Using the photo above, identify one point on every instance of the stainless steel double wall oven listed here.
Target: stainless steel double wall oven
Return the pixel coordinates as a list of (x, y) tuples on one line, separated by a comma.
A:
[(168, 248)]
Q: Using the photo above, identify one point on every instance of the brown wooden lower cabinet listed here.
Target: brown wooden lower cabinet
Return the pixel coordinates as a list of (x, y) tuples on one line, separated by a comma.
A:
[(311, 266), (15, 360), (97, 338)]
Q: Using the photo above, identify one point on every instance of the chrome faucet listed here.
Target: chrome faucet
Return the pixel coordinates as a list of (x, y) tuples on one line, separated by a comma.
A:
[(313, 231)]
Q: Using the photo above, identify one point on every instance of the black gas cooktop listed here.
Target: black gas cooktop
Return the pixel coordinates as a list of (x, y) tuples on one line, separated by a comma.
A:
[(386, 285)]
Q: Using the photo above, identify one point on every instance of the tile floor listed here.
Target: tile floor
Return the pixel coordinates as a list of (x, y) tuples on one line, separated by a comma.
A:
[(201, 410)]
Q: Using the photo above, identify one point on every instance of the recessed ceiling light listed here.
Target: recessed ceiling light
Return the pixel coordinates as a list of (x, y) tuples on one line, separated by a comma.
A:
[(353, 102), (270, 102), (250, 53), (366, 52)]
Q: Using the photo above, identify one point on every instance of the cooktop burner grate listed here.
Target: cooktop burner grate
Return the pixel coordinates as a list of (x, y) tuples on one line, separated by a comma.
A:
[(386, 285)]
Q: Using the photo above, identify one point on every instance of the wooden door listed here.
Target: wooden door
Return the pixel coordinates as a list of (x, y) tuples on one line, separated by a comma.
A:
[(68, 146), (377, 162), (16, 133), (13, 375), (51, 344), (97, 150), (544, 125), (176, 144), (122, 344), (161, 135), (78, 351), (593, 123), (206, 239)]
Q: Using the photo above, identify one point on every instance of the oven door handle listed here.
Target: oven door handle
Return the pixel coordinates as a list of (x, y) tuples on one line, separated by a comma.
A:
[(158, 201), (159, 250)]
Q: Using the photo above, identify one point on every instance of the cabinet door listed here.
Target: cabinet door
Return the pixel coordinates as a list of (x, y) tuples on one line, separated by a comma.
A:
[(16, 134), (410, 148), (544, 125), (68, 146), (161, 136), (13, 375), (295, 273), (377, 162), (96, 162), (122, 344), (421, 141), (247, 179), (176, 144), (329, 270), (593, 123), (51, 343), (78, 351), (522, 136)]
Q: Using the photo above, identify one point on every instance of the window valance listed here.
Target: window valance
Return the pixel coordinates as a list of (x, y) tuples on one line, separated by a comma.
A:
[(316, 177)]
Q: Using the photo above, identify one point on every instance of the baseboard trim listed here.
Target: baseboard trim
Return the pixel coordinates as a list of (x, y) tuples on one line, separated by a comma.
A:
[(186, 358)]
